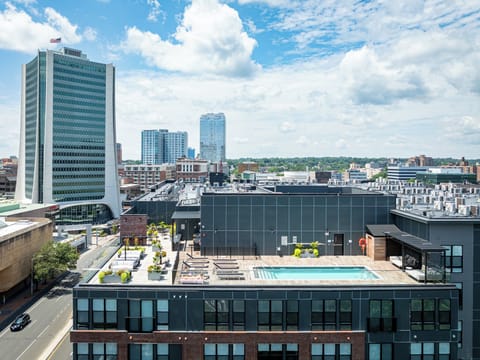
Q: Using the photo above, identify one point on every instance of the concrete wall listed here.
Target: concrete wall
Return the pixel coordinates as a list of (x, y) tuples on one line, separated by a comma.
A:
[(18, 248)]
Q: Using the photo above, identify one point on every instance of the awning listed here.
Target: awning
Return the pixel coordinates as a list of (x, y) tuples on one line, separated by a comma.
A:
[(404, 238), (186, 215)]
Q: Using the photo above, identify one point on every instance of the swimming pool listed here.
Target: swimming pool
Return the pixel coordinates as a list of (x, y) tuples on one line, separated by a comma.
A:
[(313, 273)]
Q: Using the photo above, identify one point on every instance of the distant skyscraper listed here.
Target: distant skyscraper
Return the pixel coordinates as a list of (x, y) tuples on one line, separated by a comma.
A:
[(175, 145), (151, 149), (161, 146), (212, 137), (67, 136), (191, 153)]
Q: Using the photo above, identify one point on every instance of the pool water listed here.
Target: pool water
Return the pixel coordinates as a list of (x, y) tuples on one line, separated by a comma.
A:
[(314, 273)]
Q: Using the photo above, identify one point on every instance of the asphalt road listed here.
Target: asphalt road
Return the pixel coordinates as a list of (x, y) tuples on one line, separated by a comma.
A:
[(46, 337), (50, 315)]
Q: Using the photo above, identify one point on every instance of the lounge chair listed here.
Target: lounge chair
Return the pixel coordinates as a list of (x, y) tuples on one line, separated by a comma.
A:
[(226, 266), (191, 265), (396, 260), (231, 277), (196, 257)]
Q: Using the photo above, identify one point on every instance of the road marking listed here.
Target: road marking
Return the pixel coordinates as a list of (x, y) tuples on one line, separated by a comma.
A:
[(37, 303), (24, 351), (43, 331)]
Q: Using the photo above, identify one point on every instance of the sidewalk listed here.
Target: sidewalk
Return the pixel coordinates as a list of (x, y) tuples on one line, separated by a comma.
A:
[(21, 301)]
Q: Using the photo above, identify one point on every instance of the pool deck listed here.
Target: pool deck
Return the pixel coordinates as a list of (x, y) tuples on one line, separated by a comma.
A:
[(192, 269), (387, 273)]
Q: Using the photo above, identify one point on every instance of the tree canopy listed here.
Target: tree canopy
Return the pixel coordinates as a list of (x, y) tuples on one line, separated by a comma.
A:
[(54, 258)]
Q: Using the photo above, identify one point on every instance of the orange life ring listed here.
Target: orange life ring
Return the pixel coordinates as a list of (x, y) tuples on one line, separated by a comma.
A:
[(362, 242)]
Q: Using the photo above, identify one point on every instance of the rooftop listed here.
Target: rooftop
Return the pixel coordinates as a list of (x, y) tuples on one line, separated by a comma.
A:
[(187, 267)]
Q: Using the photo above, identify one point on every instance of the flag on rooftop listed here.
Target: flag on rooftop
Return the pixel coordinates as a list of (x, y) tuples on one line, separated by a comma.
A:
[(55, 41)]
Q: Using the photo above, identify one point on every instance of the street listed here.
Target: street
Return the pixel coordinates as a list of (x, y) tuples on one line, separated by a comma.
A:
[(46, 337)]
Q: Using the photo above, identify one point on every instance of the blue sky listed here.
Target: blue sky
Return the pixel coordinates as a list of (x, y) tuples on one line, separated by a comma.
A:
[(293, 77)]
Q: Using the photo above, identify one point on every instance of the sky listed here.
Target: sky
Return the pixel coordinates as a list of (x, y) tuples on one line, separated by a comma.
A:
[(294, 78)]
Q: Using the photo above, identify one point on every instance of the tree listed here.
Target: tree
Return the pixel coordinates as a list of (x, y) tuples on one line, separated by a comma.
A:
[(54, 258)]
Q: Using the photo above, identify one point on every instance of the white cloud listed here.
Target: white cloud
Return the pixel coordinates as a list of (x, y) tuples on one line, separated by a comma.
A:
[(287, 126), (18, 31), (210, 39), (155, 10), (90, 34)]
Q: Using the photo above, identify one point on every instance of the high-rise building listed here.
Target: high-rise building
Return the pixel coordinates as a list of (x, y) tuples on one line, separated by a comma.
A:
[(191, 153), (67, 136), (161, 146), (151, 149), (175, 146), (212, 137)]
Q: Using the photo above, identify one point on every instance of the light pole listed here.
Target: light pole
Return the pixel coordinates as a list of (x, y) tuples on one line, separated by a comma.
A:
[(350, 244), (327, 241), (31, 277)]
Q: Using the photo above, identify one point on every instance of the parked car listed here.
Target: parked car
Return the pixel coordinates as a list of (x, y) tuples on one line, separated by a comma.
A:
[(20, 322)]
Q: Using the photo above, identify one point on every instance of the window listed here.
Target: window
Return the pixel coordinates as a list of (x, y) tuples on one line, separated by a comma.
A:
[(444, 314), (140, 316), (82, 351), (277, 351), (270, 314), (223, 352), (422, 314), (292, 315), (162, 314), (380, 351), (381, 316), (454, 258), (82, 313), (215, 314), (103, 351), (429, 350), (331, 351), (104, 313), (324, 314), (345, 314), (238, 312), (140, 352)]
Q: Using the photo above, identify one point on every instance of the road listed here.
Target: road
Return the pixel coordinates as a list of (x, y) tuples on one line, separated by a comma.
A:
[(46, 337), (40, 335)]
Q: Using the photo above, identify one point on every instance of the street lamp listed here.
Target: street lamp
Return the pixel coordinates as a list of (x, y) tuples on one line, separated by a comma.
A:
[(327, 233)]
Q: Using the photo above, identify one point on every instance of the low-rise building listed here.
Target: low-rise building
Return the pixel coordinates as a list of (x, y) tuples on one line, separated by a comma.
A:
[(20, 239)]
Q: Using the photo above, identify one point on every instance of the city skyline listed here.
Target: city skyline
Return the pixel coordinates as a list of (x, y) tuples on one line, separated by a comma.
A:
[(295, 78)]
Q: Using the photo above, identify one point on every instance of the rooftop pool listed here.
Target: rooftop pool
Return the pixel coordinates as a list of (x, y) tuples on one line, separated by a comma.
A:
[(314, 273)]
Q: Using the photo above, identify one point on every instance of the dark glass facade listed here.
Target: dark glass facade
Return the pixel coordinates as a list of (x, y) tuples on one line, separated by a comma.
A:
[(257, 223)]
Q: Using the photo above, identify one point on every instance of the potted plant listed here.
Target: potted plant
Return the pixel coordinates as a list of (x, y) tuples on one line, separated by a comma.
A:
[(155, 272)]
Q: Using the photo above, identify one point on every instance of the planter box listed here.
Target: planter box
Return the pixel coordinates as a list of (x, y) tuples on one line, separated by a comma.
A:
[(110, 279), (154, 275)]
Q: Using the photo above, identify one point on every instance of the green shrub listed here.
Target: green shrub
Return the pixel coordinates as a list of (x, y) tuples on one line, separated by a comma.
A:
[(125, 277), (101, 275), (315, 252), (297, 252)]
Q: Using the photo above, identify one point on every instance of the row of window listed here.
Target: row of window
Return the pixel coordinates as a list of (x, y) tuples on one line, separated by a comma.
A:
[(70, 109), (79, 161), (321, 351), (272, 315), (65, 84), (60, 146), (57, 76), (74, 93)]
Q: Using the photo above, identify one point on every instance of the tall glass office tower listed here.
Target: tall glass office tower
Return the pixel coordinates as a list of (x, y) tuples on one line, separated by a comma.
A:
[(212, 137), (67, 136)]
